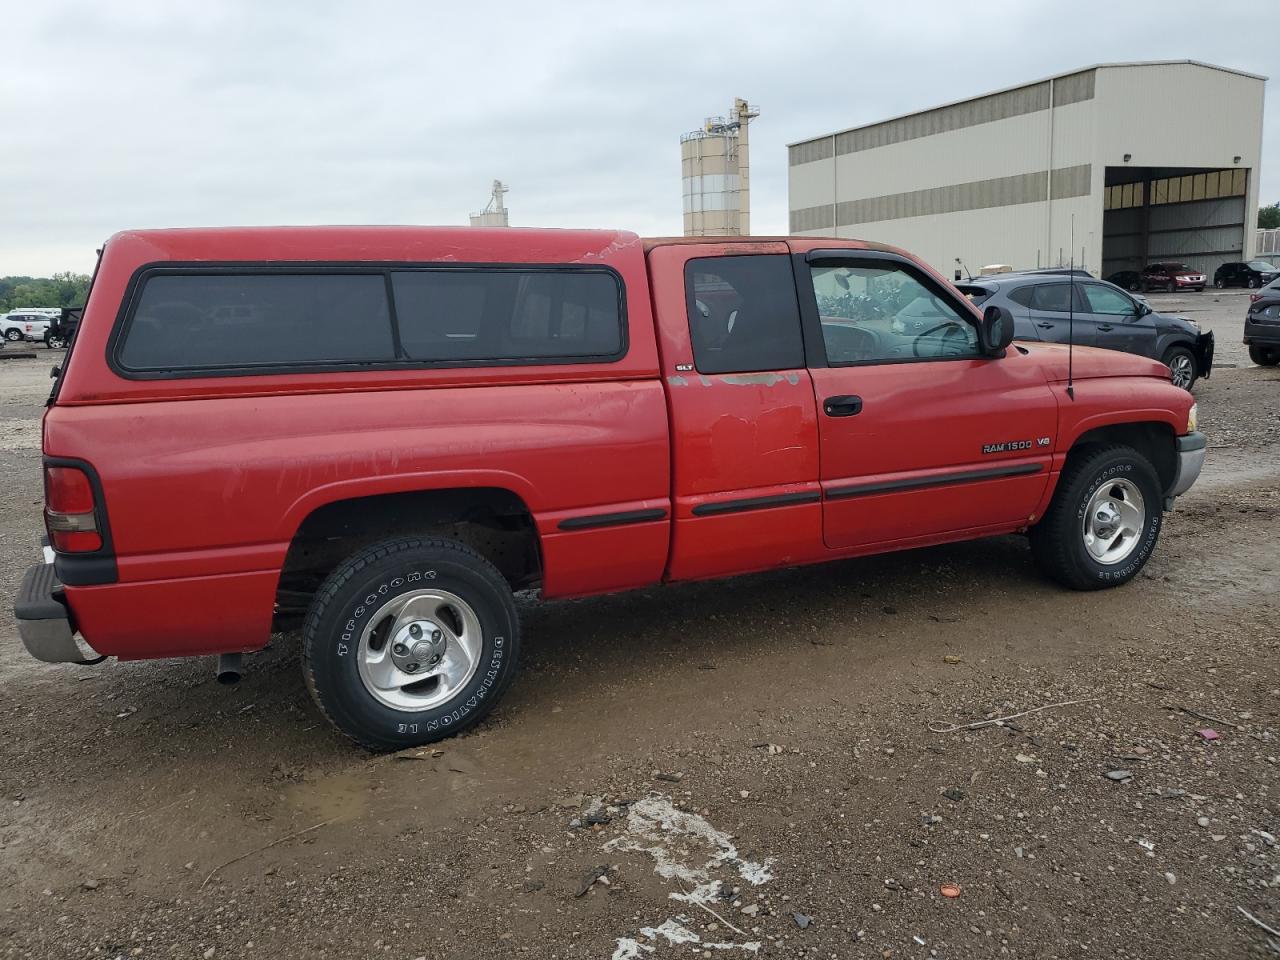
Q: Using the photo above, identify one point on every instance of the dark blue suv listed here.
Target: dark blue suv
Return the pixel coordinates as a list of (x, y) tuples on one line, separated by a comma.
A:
[(1046, 305)]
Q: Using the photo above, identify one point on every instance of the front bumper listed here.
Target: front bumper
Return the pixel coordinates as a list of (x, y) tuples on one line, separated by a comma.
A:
[(1190, 449), (1204, 353), (44, 622)]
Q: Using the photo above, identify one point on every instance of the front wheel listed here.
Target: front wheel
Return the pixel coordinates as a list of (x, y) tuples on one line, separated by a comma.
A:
[(1103, 522), (1182, 367), (410, 641), (1264, 356), (13, 335), (1253, 282)]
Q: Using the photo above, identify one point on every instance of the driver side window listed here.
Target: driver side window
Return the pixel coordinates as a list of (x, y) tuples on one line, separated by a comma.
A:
[(879, 312)]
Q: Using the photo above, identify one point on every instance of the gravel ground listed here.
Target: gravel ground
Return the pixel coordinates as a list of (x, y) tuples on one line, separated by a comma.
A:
[(724, 769)]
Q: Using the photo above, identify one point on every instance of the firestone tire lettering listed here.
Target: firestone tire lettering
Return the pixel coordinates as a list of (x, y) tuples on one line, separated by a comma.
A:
[(382, 571), (1057, 542)]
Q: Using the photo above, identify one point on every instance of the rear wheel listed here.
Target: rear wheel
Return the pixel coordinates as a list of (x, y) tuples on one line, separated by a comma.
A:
[(1219, 284), (1170, 287), (1182, 367), (410, 641), (1103, 522), (1264, 356), (1133, 286), (1253, 282)]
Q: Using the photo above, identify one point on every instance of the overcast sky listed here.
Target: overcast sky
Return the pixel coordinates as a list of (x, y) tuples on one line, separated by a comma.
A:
[(122, 114)]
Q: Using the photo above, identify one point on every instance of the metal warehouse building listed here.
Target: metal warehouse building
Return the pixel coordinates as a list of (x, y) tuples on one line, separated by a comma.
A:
[(1155, 161)]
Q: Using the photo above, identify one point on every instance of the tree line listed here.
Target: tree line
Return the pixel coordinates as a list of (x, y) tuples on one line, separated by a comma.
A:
[(61, 290)]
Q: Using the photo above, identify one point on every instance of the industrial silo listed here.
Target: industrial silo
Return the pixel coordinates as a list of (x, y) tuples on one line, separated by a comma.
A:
[(715, 175), (494, 214)]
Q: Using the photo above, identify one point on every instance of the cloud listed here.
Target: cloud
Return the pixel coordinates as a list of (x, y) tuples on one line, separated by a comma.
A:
[(139, 114)]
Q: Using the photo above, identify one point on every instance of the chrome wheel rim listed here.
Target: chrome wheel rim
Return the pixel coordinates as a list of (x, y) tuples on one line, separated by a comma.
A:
[(420, 650), (1113, 521), (1181, 369)]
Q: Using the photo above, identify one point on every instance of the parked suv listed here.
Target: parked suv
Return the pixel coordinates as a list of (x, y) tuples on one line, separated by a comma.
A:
[(1099, 314), (1254, 273), (18, 325), (1262, 325), (412, 423), (63, 328), (1171, 277), (1130, 280)]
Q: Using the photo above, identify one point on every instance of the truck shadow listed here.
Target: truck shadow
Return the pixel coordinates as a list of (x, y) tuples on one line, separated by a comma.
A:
[(155, 712), (823, 604)]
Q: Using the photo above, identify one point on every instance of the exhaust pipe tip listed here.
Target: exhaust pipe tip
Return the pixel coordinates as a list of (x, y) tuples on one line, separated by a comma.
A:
[(230, 667)]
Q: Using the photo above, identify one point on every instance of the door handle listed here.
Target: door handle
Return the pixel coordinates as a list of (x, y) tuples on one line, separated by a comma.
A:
[(1105, 327), (1047, 326), (842, 406)]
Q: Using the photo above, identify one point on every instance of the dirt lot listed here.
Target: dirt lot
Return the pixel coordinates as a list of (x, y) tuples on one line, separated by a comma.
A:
[(771, 733)]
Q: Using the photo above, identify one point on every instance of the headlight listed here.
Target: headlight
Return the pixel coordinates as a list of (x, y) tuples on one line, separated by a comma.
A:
[(1192, 419), (1192, 323)]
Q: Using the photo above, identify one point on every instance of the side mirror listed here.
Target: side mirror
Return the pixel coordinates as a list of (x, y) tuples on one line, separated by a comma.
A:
[(1143, 309), (995, 331)]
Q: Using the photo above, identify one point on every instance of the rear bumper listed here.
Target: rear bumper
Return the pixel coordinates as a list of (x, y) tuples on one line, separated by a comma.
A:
[(1190, 449), (1266, 334), (44, 622)]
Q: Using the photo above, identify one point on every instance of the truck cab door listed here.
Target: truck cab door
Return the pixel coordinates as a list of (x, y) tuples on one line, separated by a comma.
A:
[(744, 428), (922, 436)]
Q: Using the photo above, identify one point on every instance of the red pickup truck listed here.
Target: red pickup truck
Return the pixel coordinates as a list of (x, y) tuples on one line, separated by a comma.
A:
[(382, 432)]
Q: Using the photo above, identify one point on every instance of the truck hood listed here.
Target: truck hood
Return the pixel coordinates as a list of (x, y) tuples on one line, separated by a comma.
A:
[(1091, 362)]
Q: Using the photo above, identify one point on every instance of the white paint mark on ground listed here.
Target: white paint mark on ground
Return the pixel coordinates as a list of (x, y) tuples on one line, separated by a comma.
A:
[(673, 837), (689, 850), (629, 949), (672, 930)]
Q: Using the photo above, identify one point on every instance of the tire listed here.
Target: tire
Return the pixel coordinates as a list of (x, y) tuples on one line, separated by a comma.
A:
[(13, 335), (1253, 282), (1182, 367), (1219, 285), (1264, 356), (1133, 286), (1171, 287), (1100, 478), (457, 593)]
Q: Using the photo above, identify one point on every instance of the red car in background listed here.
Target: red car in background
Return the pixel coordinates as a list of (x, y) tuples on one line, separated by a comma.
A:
[(1171, 277)]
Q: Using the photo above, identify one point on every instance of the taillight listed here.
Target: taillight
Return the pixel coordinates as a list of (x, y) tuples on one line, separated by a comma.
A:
[(69, 510)]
